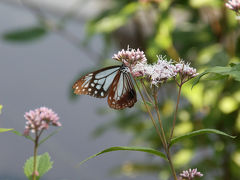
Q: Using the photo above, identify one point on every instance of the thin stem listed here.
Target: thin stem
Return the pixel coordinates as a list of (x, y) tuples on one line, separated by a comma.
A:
[(149, 111), (145, 90), (159, 118), (175, 114), (35, 156), (166, 147)]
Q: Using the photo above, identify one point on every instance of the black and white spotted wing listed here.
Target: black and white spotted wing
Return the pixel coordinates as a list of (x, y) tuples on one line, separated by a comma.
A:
[(113, 80)]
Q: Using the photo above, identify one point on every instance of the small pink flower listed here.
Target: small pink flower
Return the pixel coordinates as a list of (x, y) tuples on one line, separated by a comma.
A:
[(185, 70), (190, 174), (36, 173), (233, 5), (40, 119), (130, 57)]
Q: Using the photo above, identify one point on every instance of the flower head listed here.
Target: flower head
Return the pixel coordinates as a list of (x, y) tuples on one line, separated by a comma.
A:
[(40, 119), (130, 57), (233, 5), (185, 70), (190, 174), (160, 71)]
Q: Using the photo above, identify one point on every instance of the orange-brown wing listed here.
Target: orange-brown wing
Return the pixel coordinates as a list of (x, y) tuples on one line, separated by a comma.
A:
[(97, 83), (122, 93)]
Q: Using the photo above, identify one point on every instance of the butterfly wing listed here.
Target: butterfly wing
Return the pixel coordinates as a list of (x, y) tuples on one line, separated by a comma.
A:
[(122, 93), (97, 83)]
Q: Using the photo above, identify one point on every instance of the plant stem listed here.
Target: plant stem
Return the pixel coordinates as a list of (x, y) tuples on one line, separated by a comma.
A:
[(162, 137), (145, 90), (166, 147), (35, 156), (149, 111), (158, 115), (175, 114)]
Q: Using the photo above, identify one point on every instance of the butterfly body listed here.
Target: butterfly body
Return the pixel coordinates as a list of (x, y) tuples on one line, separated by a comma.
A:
[(114, 82)]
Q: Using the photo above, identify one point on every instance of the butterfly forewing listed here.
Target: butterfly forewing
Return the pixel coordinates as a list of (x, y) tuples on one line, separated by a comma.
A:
[(97, 83), (122, 93)]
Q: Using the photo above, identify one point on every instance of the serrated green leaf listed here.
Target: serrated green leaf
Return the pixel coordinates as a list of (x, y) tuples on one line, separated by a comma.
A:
[(5, 130), (53, 133), (233, 71), (127, 148), (44, 164), (199, 132), (24, 35)]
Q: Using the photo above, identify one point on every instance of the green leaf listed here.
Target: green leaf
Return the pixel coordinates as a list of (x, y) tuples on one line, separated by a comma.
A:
[(20, 134), (44, 164), (126, 148), (5, 130), (53, 133), (1, 108), (112, 21), (25, 35), (233, 71), (199, 132)]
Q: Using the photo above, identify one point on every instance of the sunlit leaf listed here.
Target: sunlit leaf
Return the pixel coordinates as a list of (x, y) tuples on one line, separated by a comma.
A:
[(44, 164), (233, 71), (199, 132), (111, 22), (126, 148), (5, 130), (25, 35)]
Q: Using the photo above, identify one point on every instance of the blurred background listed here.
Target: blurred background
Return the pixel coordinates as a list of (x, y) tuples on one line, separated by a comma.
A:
[(46, 45)]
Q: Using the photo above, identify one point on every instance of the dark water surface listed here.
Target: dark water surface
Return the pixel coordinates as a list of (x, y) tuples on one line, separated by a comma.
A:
[(40, 74)]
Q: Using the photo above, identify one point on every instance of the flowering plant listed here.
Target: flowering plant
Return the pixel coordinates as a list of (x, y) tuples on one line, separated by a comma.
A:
[(38, 121), (156, 75)]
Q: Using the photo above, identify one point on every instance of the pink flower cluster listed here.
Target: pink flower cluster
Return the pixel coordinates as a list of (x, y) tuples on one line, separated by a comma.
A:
[(159, 72), (130, 57), (185, 70), (190, 174), (233, 5), (40, 119)]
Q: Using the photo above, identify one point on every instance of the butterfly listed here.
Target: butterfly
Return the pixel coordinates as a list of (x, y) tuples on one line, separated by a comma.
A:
[(114, 81)]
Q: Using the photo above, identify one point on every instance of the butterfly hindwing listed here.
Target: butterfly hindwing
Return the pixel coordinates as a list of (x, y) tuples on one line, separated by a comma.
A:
[(97, 83), (122, 93)]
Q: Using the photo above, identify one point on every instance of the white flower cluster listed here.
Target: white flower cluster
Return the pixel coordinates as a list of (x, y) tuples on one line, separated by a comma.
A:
[(159, 72)]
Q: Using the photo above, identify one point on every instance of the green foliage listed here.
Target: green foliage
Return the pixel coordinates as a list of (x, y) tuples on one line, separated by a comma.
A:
[(25, 35), (109, 22), (44, 164), (21, 134), (233, 71), (127, 148), (5, 130), (191, 30), (198, 132)]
